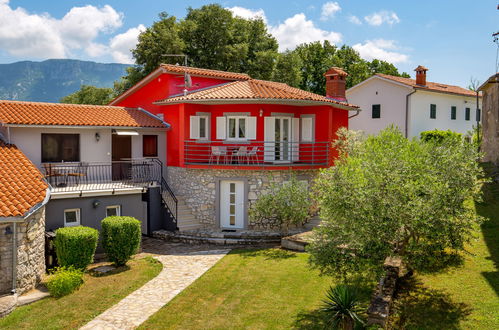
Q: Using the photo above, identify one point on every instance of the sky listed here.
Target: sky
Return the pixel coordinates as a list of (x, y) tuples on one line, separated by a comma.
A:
[(452, 38)]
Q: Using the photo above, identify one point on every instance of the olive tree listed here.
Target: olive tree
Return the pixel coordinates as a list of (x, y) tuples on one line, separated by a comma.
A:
[(392, 196)]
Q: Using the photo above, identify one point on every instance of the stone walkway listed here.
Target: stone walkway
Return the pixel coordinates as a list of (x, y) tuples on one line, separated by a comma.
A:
[(180, 269)]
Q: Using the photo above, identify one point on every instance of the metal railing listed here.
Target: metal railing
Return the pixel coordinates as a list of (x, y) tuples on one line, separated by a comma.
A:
[(256, 153), (169, 200), (83, 176)]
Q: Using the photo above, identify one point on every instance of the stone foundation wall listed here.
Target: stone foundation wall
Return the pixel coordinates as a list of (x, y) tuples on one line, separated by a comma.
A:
[(198, 188), (30, 253)]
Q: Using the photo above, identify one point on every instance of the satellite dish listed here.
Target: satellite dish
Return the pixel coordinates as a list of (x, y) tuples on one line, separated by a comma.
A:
[(187, 80)]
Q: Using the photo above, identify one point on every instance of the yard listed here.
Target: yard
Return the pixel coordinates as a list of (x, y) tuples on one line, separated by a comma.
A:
[(97, 294)]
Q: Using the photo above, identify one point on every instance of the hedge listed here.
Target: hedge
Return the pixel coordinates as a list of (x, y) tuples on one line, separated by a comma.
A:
[(121, 238), (75, 246), (439, 136)]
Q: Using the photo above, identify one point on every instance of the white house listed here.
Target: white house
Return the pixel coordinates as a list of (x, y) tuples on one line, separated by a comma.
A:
[(412, 105)]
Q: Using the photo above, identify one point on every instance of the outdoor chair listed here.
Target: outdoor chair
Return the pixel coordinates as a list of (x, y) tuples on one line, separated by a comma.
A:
[(241, 154), (253, 155), (217, 153)]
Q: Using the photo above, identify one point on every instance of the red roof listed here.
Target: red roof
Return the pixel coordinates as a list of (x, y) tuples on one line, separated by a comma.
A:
[(204, 72), (21, 183), (37, 113), (253, 89), (432, 86)]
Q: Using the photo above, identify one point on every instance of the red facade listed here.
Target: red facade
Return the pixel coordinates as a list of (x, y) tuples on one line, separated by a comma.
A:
[(226, 127)]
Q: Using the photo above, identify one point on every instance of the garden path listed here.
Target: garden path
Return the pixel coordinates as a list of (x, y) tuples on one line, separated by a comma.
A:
[(182, 265)]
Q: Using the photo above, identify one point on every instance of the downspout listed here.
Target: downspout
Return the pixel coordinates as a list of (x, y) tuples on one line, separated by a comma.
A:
[(356, 114), (407, 113)]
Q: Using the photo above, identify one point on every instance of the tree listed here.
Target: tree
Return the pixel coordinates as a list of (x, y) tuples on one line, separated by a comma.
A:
[(90, 95), (395, 197), (287, 69)]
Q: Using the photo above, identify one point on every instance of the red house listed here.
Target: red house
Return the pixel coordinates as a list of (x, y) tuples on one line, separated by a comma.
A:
[(231, 136)]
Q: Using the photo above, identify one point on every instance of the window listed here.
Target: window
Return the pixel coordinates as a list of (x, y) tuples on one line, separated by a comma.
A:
[(236, 128), (149, 146), (453, 112), (376, 111), (467, 112), (71, 217), (60, 148), (433, 111), (113, 210), (478, 115), (200, 127)]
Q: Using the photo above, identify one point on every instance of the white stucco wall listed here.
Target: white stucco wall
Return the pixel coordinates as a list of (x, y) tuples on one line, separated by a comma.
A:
[(28, 139), (391, 97), (419, 112)]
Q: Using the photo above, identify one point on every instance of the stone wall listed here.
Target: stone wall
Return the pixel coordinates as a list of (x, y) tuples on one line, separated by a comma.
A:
[(30, 253), (490, 123), (198, 188)]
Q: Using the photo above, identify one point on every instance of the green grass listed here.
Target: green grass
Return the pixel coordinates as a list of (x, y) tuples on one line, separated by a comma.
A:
[(249, 289), (463, 297), (95, 296)]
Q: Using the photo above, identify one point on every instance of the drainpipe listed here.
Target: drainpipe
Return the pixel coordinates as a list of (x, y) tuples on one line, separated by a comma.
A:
[(407, 113), (356, 114)]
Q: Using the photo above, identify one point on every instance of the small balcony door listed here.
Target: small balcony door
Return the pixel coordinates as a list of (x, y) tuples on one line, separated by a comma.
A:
[(121, 149), (232, 206), (281, 139)]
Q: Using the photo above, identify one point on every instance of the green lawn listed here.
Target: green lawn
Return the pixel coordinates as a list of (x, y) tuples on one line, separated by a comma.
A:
[(464, 297), (248, 289), (95, 296)]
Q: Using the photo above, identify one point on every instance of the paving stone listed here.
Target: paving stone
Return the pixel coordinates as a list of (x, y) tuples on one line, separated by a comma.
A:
[(181, 267), (103, 269)]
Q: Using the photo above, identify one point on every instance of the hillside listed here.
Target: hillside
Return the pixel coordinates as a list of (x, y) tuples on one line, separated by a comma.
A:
[(50, 80)]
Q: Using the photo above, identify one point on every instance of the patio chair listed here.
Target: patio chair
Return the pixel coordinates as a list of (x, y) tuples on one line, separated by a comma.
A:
[(217, 153), (241, 154), (253, 155), (80, 172)]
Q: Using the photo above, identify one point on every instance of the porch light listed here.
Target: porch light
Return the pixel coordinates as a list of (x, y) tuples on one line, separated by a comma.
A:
[(125, 132), (8, 231), (97, 136), (261, 112), (96, 203)]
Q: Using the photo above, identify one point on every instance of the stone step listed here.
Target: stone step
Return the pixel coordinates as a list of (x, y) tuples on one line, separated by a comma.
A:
[(183, 227)]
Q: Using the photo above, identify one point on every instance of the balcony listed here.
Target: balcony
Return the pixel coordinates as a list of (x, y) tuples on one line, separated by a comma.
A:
[(121, 175), (257, 153)]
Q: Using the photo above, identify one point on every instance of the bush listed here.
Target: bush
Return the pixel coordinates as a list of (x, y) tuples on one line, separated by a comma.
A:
[(342, 307), (285, 205), (75, 246), (121, 238), (64, 280), (439, 136)]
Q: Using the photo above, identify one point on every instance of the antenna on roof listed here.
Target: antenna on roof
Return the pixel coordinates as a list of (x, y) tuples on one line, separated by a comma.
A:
[(187, 77)]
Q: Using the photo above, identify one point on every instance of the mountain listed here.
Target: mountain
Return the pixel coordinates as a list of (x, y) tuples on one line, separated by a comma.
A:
[(50, 80)]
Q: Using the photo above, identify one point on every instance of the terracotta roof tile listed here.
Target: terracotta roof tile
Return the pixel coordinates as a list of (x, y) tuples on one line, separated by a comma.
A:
[(21, 183), (38, 113), (252, 89), (430, 85), (205, 72)]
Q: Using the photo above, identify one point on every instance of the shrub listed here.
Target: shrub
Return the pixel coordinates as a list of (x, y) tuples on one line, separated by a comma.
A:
[(121, 238), (285, 205), (64, 280), (75, 246), (439, 136), (341, 307)]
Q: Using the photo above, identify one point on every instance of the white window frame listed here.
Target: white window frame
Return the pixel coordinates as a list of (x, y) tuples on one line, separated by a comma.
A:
[(237, 138), (117, 207), (197, 135), (78, 218)]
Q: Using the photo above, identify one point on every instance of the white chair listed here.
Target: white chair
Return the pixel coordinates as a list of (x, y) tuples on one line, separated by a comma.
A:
[(241, 154), (217, 153), (253, 155)]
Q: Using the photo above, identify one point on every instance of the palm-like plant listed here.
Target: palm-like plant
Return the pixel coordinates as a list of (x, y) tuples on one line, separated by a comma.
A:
[(342, 307)]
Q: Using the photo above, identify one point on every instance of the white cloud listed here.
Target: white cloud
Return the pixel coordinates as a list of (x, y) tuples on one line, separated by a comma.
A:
[(248, 13), (121, 44), (381, 49), (354, 19), (384, 16), (297, 30), (42, 36), (329, 9)]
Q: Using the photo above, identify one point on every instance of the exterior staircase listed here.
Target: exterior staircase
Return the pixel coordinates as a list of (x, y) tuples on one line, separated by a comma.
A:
[(314, 222), (185, 218)]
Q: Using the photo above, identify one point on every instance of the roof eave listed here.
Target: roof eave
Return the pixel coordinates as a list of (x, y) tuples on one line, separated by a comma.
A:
[(262, 101), (83, 126), (426, 89)]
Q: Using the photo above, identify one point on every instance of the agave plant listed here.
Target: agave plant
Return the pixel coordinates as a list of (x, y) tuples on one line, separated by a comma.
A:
[(342, 308)]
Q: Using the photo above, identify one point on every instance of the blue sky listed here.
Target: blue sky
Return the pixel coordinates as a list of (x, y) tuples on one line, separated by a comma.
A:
[(451, 38)]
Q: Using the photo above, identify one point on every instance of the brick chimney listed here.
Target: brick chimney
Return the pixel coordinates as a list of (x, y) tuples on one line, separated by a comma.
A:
[(421, 75), (335, 83)]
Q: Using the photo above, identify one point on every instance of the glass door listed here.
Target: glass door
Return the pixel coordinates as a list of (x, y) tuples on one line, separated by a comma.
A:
[(282, 138)]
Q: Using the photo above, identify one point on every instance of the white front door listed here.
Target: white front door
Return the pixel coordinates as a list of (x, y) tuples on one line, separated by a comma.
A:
[(232, 204)]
